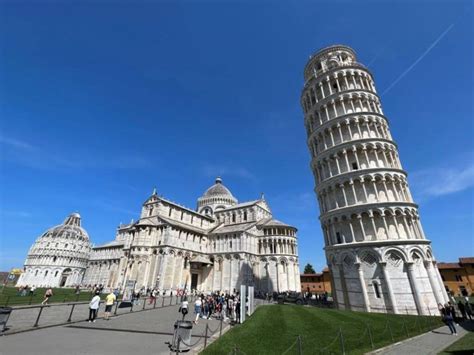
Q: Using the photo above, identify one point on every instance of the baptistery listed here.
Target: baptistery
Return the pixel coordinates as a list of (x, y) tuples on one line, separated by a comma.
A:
[(59, 256)]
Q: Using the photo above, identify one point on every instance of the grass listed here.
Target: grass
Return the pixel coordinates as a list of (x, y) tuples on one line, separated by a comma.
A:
[(274, 329), (464, 346), (9, 296)]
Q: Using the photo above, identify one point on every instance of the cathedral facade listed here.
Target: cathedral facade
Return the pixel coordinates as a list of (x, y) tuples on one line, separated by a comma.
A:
[(219, 246)]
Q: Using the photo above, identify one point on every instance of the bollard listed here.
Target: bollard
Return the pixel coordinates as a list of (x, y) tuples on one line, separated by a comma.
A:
[(171, 299), (144, 303), (341, 337), (370, 337), (39, 315), (70, 314), (131, 307), (205, 337), (154, 303), (300, 346), (116, 306), (220, 327), (163, 302)]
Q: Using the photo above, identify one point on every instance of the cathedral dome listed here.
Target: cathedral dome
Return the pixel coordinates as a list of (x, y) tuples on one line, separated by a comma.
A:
[(215, 198), (71, 229), (218, 189)]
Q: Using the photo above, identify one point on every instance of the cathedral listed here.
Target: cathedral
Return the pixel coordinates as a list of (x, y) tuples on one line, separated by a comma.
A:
[(219, 246)]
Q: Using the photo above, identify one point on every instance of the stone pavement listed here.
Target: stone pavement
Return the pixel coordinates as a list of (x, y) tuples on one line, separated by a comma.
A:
[(134, 333), (24, 317), (430, 343)]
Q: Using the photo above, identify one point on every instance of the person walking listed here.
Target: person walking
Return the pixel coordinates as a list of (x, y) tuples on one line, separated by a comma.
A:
[(109, 302), (447, 317), (462, 309), (94, 307), (468, 308), (47, 295), (197, 309)]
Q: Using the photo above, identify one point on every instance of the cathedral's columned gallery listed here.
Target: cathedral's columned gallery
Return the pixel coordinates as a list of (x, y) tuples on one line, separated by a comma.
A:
[(219, 246)]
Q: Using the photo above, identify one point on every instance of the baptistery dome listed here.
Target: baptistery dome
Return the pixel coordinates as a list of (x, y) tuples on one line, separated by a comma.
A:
[(215, 198), (59, 256)]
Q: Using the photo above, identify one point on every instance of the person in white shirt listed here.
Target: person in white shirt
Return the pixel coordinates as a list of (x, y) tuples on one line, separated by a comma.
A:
[(197, 309), (94, 307)]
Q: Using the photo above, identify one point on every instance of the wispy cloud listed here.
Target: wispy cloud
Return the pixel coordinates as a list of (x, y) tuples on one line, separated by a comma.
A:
[(32, 156), (21, 214), (210, 170), (425, 53), (442, 181)]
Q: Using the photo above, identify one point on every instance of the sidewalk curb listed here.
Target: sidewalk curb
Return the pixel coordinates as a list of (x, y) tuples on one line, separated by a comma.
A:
[(389, 347)]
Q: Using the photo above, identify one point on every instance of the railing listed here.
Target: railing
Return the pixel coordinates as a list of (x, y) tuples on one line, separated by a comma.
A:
[(25, 319)]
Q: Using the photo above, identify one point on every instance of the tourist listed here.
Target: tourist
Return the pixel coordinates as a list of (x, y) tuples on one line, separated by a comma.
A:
[(135, 297), (452, 311), (24, 291), (153, 296), (78, 290), (462, 309), (109, 302), (447, 317), (32, 290), (237, 310), (47, 295), (197, 309), (94, 307), (468, 308)]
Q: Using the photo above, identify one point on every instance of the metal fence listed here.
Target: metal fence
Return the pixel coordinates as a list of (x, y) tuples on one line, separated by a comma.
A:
[(36, 316), (367, 340)]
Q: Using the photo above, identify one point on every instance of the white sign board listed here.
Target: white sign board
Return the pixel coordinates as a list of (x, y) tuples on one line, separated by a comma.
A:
[(251, 301), (243, 301)]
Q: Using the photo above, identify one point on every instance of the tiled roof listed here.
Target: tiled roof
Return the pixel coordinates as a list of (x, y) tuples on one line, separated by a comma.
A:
[(466, 260), (449, 266), (232, 228), (111, 244)]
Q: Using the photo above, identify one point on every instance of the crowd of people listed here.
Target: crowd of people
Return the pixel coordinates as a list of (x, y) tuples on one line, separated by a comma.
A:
[(217, 305)]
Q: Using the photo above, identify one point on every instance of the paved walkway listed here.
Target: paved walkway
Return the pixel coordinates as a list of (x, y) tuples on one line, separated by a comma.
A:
[(24, 317), (429, 343), (134, 333)]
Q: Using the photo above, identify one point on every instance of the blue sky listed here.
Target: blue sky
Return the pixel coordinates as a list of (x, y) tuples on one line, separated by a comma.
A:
[(100, 103)]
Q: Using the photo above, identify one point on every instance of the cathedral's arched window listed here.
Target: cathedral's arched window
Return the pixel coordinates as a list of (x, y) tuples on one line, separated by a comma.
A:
[(36, 273), (245, 216), (46, 273), (56, 273), (54, 259), (233, 217)]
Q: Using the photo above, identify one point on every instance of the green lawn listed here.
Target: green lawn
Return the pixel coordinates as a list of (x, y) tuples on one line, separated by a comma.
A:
[(464, 346), (8, 296), (273, 329)]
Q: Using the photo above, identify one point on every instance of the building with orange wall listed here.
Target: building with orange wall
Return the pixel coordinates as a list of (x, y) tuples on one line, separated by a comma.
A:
[(318, 283), (458, 278)]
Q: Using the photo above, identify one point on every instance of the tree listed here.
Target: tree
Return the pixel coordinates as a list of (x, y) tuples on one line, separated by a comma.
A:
[(308, 269)]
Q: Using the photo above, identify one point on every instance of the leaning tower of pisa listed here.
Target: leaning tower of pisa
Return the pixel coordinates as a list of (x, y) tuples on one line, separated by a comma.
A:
[(378, 254)]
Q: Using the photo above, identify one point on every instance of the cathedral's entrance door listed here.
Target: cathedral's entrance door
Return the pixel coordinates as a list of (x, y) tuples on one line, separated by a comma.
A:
[(194, 281)]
